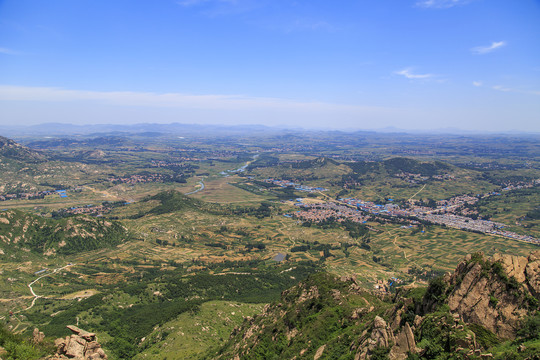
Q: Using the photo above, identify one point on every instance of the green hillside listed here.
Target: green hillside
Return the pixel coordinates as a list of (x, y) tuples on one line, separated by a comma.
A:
[(23, 231)]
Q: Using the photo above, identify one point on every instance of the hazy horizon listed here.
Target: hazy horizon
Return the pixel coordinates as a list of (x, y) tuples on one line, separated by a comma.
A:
[(68, 129)]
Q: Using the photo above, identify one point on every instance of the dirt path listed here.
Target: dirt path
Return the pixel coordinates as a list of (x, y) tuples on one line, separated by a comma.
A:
[(394, 243), (418, 192), (36, 296), (103, 193)]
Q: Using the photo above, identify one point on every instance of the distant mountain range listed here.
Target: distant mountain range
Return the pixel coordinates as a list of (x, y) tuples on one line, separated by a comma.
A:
[(143, 129), (155, 129)]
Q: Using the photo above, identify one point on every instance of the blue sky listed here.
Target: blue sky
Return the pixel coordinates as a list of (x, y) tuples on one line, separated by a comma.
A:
[(351, 64)]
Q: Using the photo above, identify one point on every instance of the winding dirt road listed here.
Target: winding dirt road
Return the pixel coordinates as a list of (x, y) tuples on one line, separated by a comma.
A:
[(36, 296)]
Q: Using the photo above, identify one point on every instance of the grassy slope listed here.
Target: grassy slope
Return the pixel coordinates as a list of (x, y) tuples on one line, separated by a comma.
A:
[(191, 335)]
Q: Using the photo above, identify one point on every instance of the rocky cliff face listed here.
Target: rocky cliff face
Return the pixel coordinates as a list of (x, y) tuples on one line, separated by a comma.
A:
[(496, 293), (482, 303)]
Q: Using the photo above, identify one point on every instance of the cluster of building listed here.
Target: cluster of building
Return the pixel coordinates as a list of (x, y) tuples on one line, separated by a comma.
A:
[(86, 209), (412, 178), (36, 194), (461, 222), (296, 186), (385, 286), (90, 209), (444, 214), (483, 226), (521, 185), (458, 201), (26, 195), (416, 178), (447, 219), (140, 178), (161, 163)]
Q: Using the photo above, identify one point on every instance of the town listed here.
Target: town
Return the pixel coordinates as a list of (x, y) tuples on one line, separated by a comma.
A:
[(445, 212)]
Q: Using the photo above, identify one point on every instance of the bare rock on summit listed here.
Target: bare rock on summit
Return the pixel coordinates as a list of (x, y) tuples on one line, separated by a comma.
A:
[(81, 345), (74, 347), (313, 293)]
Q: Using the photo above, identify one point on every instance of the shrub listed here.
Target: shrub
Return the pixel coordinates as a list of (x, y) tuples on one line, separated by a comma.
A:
[(493, 301), (531, 327)]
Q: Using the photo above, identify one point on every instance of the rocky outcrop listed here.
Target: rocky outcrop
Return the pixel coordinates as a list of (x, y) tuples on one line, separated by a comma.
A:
[(513, 265), (319, 352), (81, 345), (312, 293), (37, 336), (404, 344), (496, 293), (532, 273), (382, 336)]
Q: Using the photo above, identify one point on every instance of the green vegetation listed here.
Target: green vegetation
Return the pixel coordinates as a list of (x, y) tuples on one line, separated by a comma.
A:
[(156, 263), (124, 313), (194, 335), (319, 311), (18, 347), (65, 236)]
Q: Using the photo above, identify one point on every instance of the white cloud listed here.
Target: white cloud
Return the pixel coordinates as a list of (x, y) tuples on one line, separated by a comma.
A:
[(512, 90), (7, 51), (477, 83), (165, 100), (479, 50), (444, 4), (409, 74), (26, 104)]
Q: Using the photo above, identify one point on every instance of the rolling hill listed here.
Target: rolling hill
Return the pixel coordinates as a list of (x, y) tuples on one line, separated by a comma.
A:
[(10, 150), (23, 231)]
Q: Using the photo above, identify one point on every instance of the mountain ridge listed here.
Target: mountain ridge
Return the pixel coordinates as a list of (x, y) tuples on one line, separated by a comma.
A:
[(326, 317), (10, 149)]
